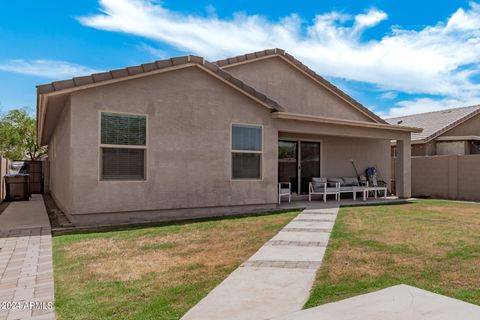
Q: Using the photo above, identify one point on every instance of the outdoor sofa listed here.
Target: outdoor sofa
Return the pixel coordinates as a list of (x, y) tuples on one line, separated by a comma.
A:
[(325, 186)]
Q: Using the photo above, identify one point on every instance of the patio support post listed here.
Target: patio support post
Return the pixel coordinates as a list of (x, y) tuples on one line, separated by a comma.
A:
[(403, 170)]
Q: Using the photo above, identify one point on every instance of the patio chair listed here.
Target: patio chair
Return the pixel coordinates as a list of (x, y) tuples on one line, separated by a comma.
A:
[(284, 189), (320, 186)]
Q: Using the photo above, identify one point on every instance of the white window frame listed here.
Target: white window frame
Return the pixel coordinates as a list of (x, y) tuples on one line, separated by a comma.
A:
[(121, 146), (232, 151)]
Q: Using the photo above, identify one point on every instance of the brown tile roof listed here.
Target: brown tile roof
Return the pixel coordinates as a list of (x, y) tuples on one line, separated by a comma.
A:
[(146, 68), (304, 68), (435, 123)]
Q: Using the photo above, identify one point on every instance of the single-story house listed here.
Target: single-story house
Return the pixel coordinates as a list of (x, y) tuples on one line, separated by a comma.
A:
[(184, 137), (445, 132)]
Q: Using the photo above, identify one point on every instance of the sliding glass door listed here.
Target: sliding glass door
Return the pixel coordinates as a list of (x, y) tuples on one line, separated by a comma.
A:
[(309, 163), (298, 162)]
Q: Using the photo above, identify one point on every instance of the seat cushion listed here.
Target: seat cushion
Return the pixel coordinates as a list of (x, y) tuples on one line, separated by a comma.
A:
[(350, 181), (319, 180), (332, 182), (318, 184)]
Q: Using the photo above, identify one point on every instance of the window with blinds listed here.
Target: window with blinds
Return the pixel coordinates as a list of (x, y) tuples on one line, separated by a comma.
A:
[(246, 151), (123, 144)]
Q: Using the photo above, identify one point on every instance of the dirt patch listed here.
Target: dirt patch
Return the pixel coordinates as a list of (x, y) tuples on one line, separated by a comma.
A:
[(361, 262), (57, 217), (462, 274)]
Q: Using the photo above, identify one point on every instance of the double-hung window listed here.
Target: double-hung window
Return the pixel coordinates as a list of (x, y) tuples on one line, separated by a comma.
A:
[(247, 150), (123, 146)]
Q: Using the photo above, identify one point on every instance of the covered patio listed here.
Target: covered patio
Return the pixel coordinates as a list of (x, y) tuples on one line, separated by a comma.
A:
[(315, 146)]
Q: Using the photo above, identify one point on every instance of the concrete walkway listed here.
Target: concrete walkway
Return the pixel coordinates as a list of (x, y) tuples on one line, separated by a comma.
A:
[(277, 279), (395, 303), (26, 274)]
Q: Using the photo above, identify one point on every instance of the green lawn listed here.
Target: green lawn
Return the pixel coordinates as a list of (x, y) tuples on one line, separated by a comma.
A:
[(430, 244), (155, 272)]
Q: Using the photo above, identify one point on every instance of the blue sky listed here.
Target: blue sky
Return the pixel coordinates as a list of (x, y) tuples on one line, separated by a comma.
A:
[(395, 57)]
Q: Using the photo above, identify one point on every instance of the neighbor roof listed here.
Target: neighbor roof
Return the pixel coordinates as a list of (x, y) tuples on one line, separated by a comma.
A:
[(435, 123), (297, 63)]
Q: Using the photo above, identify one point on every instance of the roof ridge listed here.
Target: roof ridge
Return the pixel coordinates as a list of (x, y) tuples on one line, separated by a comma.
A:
[(436, 111), (281, 52)]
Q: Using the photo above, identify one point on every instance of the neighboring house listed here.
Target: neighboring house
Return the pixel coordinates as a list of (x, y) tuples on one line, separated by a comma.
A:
[(445, 132), (183, 137)]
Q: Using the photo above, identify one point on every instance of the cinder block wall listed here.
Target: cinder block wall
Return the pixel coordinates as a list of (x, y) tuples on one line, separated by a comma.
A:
[(448, 177)]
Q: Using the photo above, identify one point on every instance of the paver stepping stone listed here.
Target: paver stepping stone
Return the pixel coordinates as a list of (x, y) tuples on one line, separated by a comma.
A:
[(289, 253), (316, 216), (302, 236), (311, 224)]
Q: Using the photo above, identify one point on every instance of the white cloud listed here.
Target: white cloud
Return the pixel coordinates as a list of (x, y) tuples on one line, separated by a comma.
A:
[(389, 95), (437, 60), (155, 52), (53, 69)]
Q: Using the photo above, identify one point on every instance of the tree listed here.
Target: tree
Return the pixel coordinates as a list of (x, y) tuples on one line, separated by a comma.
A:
[(18, 136)]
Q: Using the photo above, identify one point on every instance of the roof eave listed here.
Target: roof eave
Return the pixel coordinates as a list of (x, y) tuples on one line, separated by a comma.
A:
[(320, 119), (105, 78)]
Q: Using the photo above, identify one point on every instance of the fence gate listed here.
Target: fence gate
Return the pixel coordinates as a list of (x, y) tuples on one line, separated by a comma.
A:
[(34, 169)]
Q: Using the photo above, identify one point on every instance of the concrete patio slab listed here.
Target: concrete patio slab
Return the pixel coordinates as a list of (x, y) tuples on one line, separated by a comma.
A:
[(302, 236), (395, 303), (301, 202), (25, 214), (276, 280), (252, 293)]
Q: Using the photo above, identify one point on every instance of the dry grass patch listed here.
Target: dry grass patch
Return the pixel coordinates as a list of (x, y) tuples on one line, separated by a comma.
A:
[(124, 259), (430, 244), (155, 272)]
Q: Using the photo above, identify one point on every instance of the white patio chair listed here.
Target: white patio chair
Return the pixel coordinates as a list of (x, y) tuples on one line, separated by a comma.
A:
[(284, 189), (324, 190)]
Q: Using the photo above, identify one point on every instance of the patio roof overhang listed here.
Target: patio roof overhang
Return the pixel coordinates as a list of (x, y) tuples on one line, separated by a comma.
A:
[(309, 124)]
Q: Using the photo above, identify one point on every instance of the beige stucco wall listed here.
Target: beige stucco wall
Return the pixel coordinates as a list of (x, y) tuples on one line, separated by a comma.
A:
[(448, 177), (430, 176), (424, 149), (452, 147), (419, 149), (293, 90), (469, 177), (188, 158), (60, 161), (337, 154)]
